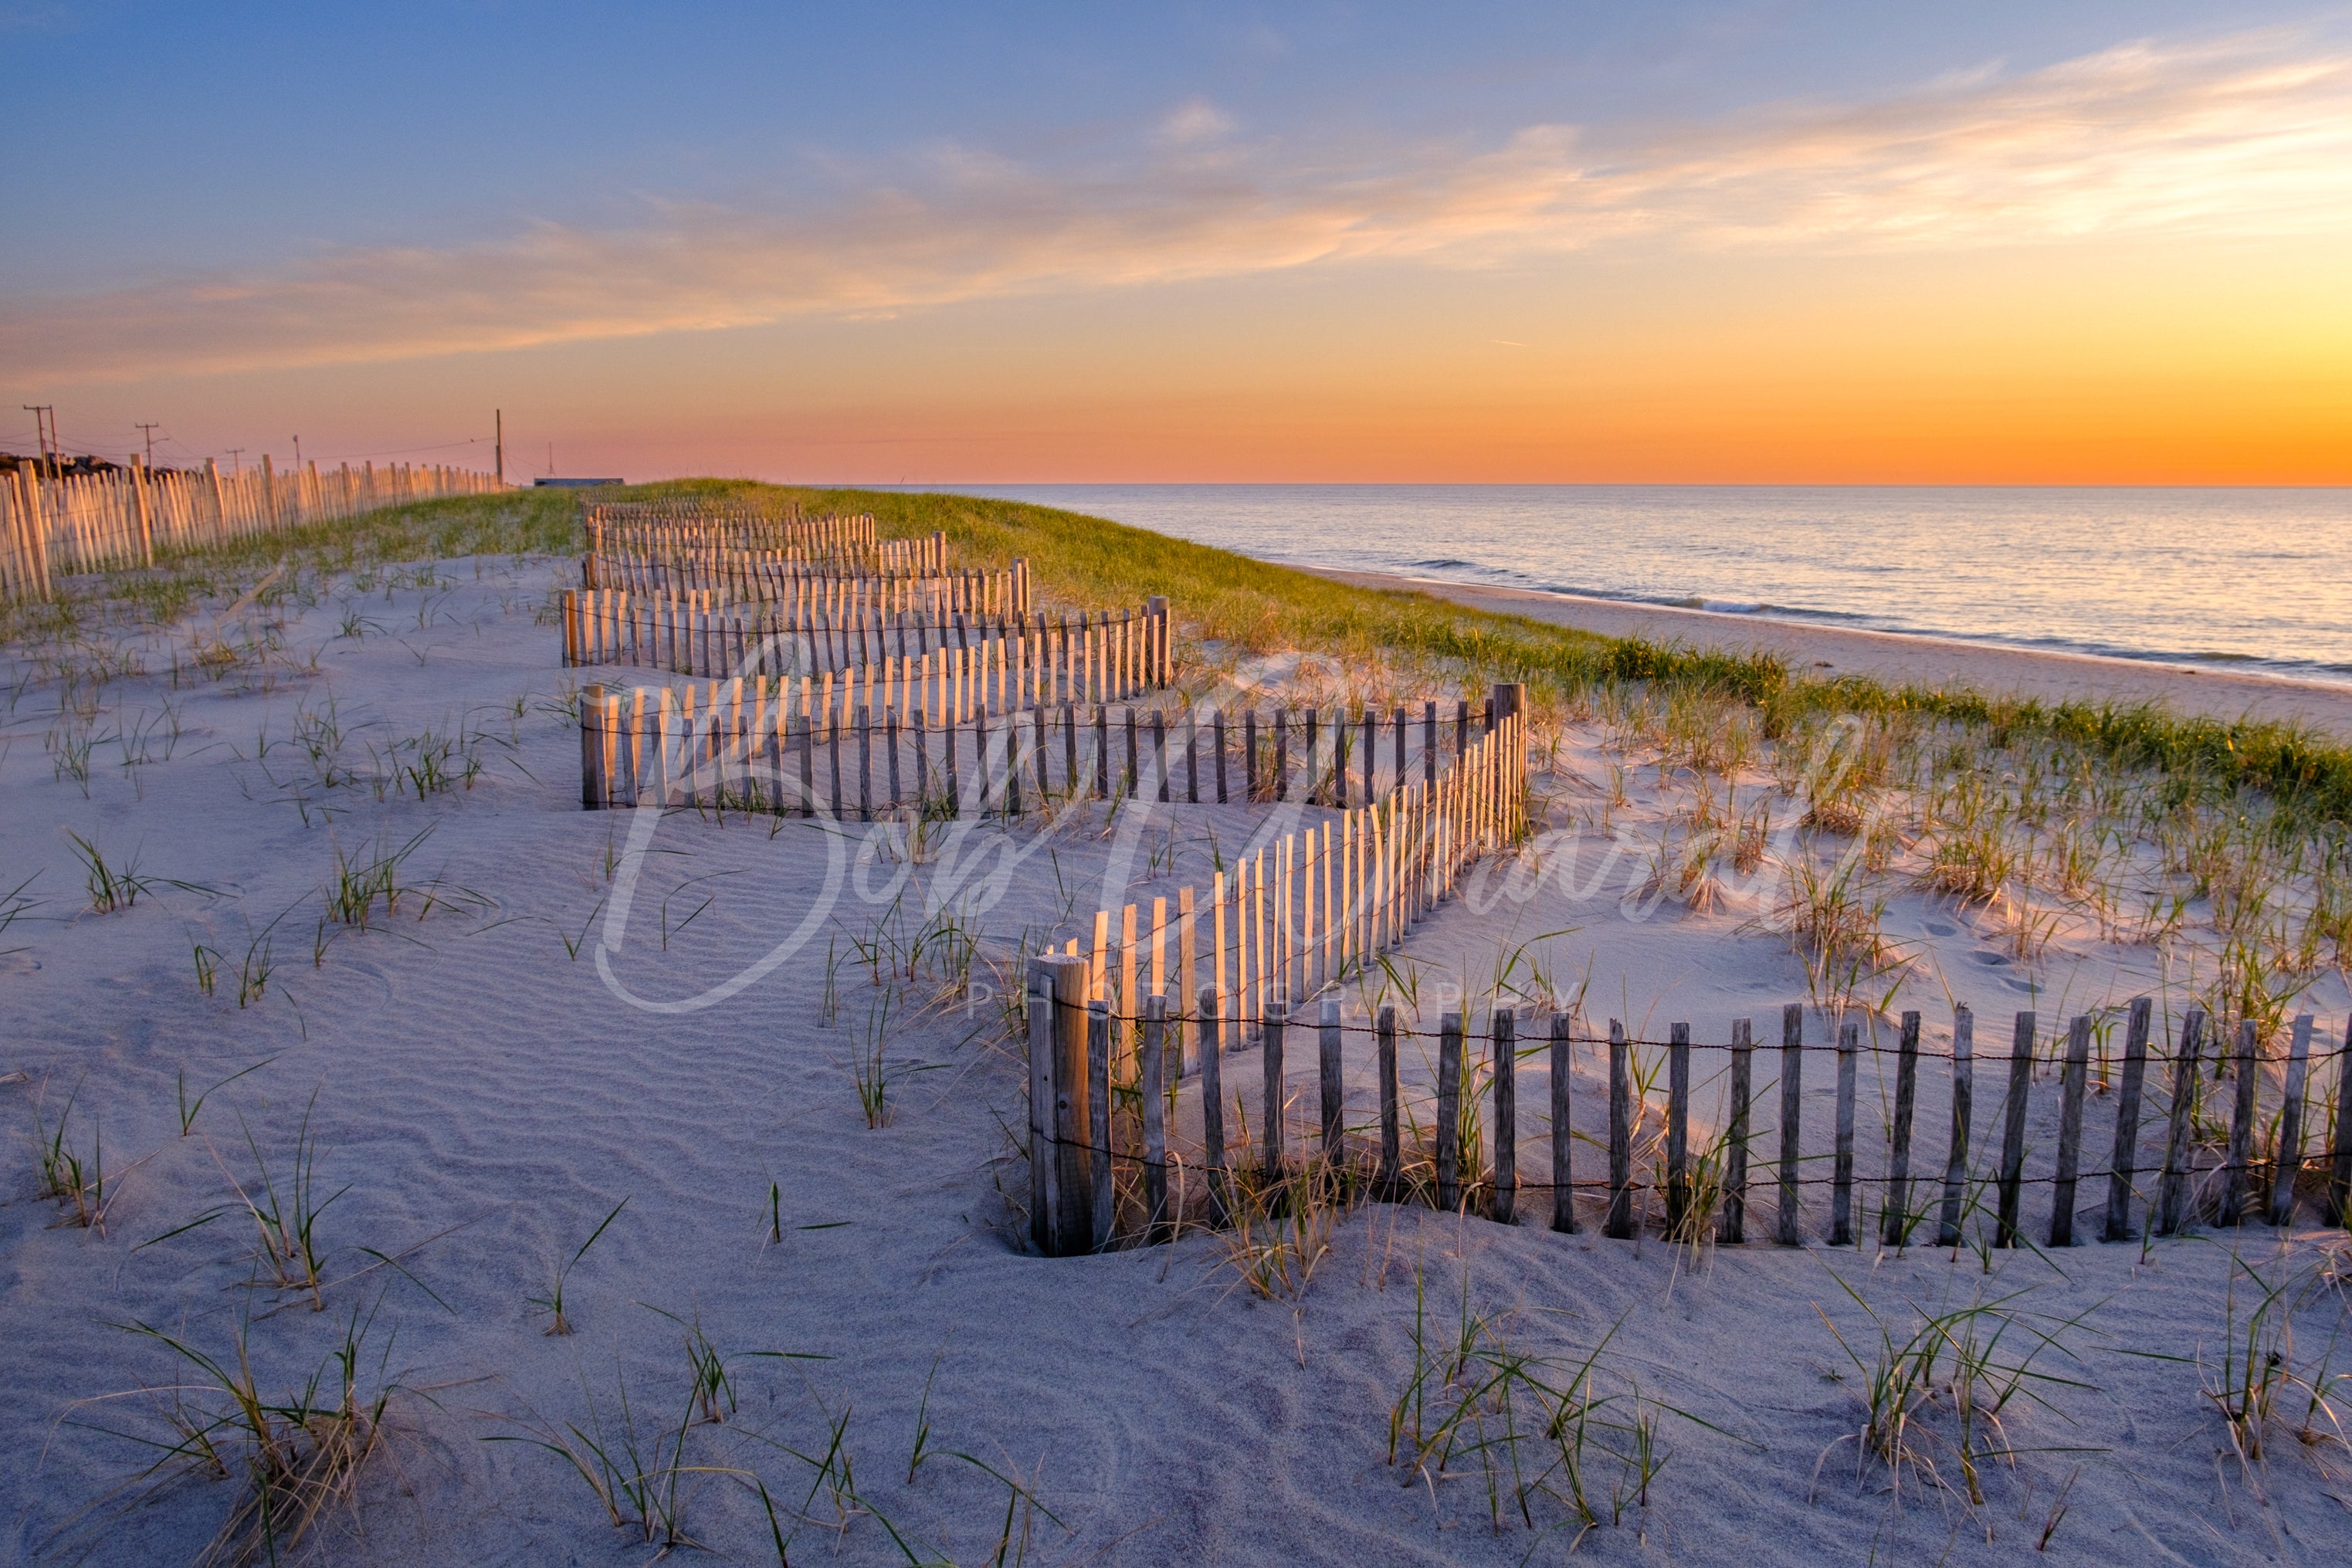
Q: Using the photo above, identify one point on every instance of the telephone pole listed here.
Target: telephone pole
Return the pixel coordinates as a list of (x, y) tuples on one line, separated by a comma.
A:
[(236, 460), (148, 430), (45, 430), (298, 454), (500, 448)]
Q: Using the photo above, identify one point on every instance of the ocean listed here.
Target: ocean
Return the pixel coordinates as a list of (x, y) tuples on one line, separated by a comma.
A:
[(2258, 581)]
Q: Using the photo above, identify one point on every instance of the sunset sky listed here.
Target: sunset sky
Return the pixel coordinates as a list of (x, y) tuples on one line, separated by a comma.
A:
[(2101, 243)]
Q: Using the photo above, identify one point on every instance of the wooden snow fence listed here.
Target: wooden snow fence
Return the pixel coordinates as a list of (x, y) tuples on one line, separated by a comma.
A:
[(894, 731), (100, 522), (606, 619), (1119, 1156), (1056, 657), (840, 543), (772, 577)]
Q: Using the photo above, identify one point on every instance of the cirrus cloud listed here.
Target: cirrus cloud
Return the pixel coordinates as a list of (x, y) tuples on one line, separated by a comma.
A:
[(2251, 135)]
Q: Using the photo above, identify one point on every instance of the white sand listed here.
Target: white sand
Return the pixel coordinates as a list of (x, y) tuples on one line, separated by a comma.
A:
[(475, 1085)]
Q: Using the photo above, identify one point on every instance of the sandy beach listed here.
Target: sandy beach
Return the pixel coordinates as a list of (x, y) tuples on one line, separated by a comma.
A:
[(485, 1074), (2048, 675)]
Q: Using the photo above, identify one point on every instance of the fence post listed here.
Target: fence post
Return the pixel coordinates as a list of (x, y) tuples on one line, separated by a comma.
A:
[(1849, 1052), (1073, 1210), (1677, 1112), (2339, 1180), (1504, 1065), (594, 790), (1043, 1161), (2012, 1132), (1563, 1180), (1385, 1031), (2290, 1137), (1270, 1118), (2124, 1163), (1896, 1231), (2172, 1190), (1327, 1064), (1619, 1224), (2236, 1173), (146, 518), (1733, 1228), (1099, 1047), (1155, 1115), (2070, 1131), (1210, 1043), (1449, 1107), (1792, 1105)]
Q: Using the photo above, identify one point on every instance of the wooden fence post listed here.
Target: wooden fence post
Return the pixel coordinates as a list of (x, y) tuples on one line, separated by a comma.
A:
[(1504, 1067), (1792, 1104), (1209, 1041), (1392, 1131), (2290, 1134), (1619, 1225), (1328, 1056), (593, 789), (1449, 1112), (2172, 1190), (1955, 1157), (1153, 1072), (2012, 1132), (2237, 1172), (1849, 1050), (1098, 1108), (1733, 1227), (1678, 1220), (1896, 1231), (1563, 1183), (2070, 1131), (2340, 1179), (1270, 1116), (2124, 1163), (1044, 1159), (1073, 1131)]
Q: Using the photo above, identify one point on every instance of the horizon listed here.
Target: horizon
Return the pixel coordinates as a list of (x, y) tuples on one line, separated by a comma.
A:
[(1796, 245)]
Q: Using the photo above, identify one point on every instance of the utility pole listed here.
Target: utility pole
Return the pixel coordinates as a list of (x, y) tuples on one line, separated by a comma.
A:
[(500, 446), (45, 430), (235, 464), (298, 454), (148, 429)]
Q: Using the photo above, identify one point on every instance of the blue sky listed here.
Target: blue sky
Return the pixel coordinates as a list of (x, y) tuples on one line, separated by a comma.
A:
[(204, 196)]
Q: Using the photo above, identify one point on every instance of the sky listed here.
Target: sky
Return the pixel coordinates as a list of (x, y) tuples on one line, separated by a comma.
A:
[(2051, 242)]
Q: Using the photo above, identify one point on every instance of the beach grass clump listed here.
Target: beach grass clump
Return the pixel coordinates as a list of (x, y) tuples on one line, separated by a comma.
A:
[(70, 1175), (559, 1323), (2261, 1383), (285, 1207), (1549, 1441), (295, 1456), (1938, 1387), (1280, 1228)]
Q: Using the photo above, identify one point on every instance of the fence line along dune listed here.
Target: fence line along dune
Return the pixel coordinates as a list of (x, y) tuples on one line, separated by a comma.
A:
[(100, 522)]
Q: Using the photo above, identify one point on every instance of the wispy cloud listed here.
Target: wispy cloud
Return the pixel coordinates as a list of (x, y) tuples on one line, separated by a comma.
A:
[(1195, 119), (2251, 135)]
